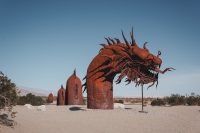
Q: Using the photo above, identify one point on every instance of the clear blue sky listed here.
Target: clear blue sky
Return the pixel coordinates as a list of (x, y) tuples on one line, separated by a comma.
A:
[(43, 41)]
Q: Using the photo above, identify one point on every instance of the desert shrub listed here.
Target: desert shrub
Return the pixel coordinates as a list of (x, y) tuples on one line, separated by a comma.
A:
[(119, 101), (193, 100), (198, 103), (175, 99), (158, 102), (30, 99), (7, 90), (8, 96)]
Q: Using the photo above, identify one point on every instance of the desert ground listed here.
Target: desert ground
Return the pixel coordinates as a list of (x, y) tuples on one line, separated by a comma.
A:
[(79, 119)]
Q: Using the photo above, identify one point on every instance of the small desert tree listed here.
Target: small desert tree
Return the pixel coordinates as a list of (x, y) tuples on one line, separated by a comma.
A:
[(8, 98), (30, 99)]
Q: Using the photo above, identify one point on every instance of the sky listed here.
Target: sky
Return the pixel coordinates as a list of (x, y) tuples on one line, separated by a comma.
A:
[(43, 41)]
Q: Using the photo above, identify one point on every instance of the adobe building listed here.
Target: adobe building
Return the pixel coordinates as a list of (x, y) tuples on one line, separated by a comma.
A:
[(74, 95), (61, 96)]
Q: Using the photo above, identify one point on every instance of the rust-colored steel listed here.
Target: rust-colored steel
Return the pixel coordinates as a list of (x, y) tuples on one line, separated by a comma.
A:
[(50, 98), (61, 96), (127, 60), (74, 95)]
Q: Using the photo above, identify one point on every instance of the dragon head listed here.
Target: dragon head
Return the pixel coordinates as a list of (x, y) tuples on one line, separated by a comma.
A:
[(128, 60), (139, 64), (149, 64)]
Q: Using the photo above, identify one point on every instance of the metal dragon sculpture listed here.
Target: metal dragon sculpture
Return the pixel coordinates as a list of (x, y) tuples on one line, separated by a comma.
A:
[(74, 95), (127, 60)]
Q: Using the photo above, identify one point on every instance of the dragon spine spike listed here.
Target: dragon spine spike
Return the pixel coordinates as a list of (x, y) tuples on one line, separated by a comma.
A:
[(111, 40), (118, 41), (75, 72), (73, 95), (109, 43), (103, 45), (132, 38), (124, 38)]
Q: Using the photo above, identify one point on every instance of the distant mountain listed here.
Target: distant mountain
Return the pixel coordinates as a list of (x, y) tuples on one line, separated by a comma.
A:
[(25, 90)]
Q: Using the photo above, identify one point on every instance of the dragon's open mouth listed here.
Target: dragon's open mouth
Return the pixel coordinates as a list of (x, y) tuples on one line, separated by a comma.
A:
[(150, 73), (143, 74)]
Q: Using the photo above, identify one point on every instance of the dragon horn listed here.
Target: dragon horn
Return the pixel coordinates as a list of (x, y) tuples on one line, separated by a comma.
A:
[(144, 46)]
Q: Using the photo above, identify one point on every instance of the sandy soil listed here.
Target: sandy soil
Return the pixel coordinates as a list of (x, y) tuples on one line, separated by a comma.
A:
[(72, 119)]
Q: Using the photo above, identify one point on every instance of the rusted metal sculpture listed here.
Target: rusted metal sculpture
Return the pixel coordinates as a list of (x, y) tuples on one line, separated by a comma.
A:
[(50, 98), (125, 59), (61, 96), (74, 95)]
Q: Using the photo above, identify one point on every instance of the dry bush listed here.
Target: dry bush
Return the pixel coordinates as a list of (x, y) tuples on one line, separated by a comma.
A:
[(8, 97), (6, 113), (119, 101), (31, 99), (175, 99), (193, 100), (158, 102)]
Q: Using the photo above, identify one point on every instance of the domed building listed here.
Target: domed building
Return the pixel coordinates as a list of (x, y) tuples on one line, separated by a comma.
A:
[(74, 95), (61, 96)]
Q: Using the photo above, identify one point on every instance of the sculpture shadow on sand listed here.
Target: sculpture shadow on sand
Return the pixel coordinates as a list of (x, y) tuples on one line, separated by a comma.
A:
[(76, 108)]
